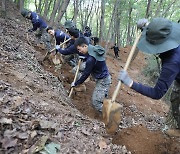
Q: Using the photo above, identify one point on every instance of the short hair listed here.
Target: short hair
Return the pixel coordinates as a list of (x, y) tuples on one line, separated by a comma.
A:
[(80, 41), (74, 32), (49, 28)]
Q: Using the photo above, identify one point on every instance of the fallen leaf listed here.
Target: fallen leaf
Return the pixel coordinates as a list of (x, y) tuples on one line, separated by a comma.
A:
[(17, 101), (102, 144), (8, 142), (85, 132), (10, 133), (51, 148), (23, 135), (39, 145), (47, 124), (6, 121), (33, 134)]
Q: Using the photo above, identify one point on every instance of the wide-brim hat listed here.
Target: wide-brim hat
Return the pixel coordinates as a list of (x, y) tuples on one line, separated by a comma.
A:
[(160, 36), (97, 52)]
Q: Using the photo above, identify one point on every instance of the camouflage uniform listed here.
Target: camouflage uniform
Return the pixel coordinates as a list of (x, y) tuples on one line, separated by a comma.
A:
[(43, 37), (81, 69), (100, 92), (173, 118)]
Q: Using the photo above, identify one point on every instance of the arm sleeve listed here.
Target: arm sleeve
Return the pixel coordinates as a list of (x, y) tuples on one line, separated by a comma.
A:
[(57, 40), (91, 61), (34, 23), (165, 80), (68, 51)]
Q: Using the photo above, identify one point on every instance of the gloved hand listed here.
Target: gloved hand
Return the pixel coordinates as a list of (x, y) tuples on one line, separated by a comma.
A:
[(82, 57), (141, 23), (72, 84), (30, 30), (124, 77), (57, 47)]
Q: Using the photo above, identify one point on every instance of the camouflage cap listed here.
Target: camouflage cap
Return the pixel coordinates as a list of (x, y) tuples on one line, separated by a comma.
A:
[(69, 24), (24, 12)]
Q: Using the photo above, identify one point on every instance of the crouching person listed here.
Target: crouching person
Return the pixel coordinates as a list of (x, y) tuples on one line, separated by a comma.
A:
[(96, 66), (38, 23)]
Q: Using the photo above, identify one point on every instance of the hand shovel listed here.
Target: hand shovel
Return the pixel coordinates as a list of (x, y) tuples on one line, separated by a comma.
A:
[(49, 52), (111, 110), (75, 77)]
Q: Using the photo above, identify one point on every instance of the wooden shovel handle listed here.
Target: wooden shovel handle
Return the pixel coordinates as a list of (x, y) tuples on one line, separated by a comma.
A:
[(126, 65), (61, 44), (75, 77)]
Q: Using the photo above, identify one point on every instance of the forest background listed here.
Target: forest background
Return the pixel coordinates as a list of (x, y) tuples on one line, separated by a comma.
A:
[(110, 20)]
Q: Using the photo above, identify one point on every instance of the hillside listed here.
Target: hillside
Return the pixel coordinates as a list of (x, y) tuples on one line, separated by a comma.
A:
[(35, 109)]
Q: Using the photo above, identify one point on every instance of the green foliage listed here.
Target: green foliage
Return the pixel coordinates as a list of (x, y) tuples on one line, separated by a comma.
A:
[(167, 8), (152, 69)]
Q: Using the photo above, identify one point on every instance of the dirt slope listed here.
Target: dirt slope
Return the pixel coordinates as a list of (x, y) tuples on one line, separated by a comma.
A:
[(33, 100)]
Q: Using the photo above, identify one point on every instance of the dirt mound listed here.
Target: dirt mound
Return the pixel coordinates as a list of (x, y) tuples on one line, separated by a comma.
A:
[(139, 139)]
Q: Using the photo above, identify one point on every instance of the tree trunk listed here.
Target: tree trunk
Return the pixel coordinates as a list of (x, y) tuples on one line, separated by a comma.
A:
[(46, 9), (111, 23), (101, 37), (4, 6), (61, 12), (39, 6), (158, 8), (129, 26), (76, 10), (88, 12), (148, 9), (117, 27), (53, 14), (164, 14)]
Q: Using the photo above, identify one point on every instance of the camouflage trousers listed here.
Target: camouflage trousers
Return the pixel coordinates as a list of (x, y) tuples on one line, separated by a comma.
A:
[(100, 92), (43, 37), (81, 69), (173, 118)]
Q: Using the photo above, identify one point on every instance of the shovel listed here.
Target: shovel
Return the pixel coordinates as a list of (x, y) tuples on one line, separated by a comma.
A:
[(49, 52), (75, 77), (111, 110), (27, 35)]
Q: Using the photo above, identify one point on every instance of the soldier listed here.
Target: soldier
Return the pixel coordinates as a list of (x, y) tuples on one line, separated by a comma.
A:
[(38, 23), (162, 37), (96, 66), (116, 50), (59, 35)]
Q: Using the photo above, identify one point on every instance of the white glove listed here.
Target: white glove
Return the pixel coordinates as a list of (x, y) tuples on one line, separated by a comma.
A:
[(72, 84), (124, 77), (82, 57), (57, 47), (141, 23)]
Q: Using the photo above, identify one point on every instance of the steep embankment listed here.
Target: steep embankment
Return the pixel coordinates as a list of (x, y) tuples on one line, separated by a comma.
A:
[(34, 105)]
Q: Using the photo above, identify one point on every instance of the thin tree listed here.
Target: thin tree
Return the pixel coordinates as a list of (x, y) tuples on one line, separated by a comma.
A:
[(101, 37), (76, 10), (4, 7), (62, 10)]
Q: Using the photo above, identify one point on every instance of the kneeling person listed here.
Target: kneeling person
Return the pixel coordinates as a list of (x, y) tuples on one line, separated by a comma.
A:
[(96, 66)]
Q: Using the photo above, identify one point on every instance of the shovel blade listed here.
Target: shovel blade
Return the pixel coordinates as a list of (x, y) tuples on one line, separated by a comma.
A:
[(56, 60), (111, 116), (106, 110)]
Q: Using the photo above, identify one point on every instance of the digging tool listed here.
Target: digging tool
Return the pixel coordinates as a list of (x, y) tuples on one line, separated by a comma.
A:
[(63, 46), (49, 52), (27, 35), (111, 109), (75, 77)]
